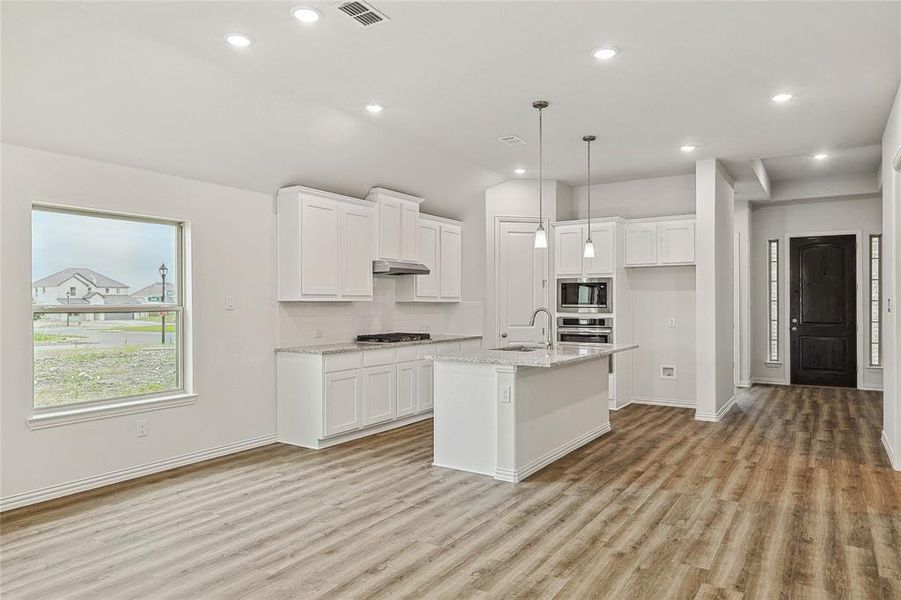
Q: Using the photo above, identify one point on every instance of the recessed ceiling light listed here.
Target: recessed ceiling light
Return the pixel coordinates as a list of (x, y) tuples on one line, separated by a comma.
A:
[(304, 14), (782, 97), (821, 156), (519, 171), (374, 108), (238, 40), (687, 148), (605, 53)]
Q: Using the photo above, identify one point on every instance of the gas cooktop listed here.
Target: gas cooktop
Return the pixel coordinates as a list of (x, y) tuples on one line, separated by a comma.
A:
[(387, 338)]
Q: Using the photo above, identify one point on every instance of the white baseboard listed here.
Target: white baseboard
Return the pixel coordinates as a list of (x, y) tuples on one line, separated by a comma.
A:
[(354, 435), (870, 388), (718, 415), (89, 483), (765, 381), (674, 402), (890, 451), (517, 475), (743, 384), (612, 405)]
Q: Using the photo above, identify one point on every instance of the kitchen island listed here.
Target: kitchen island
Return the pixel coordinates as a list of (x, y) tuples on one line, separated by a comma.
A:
[(508, 413)]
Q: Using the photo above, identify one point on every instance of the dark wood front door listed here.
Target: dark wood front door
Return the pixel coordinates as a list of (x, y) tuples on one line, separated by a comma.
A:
[(823, 319)]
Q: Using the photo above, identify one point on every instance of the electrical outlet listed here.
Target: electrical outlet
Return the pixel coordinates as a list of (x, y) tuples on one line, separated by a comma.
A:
[(505, 393), (671, 322), (318, 334), (142, 428), (229, 303)]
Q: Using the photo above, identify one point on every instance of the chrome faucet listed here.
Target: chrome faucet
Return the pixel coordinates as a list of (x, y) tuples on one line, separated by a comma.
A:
[(548, 344)]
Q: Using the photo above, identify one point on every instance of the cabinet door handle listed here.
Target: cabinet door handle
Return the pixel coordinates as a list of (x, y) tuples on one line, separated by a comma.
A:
[(503, 335)]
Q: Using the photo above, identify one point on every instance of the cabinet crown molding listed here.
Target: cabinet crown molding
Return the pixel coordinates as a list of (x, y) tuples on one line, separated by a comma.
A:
[(308, 191), (380, 191)]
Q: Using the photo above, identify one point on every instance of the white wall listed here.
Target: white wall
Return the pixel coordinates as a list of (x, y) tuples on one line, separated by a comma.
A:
[(891, 219), (324, 322), (658, 294), (780, 221), (655, 197), (233, 361), (715, 287)]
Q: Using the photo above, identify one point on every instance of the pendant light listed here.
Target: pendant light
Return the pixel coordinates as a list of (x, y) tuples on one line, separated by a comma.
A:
[(589, 245), (540, 233)]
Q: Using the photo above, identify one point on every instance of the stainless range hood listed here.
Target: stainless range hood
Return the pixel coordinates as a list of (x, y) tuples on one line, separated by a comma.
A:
[(398, 267)]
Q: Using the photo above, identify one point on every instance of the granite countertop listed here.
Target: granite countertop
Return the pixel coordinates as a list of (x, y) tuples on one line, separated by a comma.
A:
[(560, 354), (343, 347)]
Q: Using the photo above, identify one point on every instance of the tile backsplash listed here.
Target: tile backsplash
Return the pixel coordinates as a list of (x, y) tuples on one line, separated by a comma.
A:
[(315, 322)]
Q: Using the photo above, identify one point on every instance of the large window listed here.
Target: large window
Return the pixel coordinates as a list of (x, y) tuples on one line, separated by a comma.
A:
[(107, 307), (773, 303), (876, 300)]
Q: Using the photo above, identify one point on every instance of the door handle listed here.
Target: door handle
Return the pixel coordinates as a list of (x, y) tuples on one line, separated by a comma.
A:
[(794, 320), (794, 329), (503, 335)]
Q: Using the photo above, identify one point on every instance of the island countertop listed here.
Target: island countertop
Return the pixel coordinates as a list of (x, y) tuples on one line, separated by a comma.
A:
[(560, 354), (342, 347)]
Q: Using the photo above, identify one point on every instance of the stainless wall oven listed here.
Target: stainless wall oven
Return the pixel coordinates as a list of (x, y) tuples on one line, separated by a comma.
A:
[(584, 330), (585, 295)]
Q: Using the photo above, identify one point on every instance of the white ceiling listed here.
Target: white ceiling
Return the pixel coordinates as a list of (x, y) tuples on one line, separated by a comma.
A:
[(152, 84)]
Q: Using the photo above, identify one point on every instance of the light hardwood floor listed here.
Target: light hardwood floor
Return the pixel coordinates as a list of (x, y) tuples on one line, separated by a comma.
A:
[(790, 495)]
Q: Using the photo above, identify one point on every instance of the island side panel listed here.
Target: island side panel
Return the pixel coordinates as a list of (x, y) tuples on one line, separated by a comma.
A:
[(556, 411), (465, 420)]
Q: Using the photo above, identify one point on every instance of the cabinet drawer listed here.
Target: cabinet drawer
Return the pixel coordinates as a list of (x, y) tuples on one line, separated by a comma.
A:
[(341, 362), (374, 358), (427, 350), (407, 353)]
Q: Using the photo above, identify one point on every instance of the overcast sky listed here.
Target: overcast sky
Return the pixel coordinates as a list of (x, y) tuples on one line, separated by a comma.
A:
[(128, 251)]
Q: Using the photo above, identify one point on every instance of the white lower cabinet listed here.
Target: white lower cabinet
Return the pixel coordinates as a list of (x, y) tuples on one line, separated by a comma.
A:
[(426, 382), (329, 399), (343, 402), (407, 387), (379, 394)]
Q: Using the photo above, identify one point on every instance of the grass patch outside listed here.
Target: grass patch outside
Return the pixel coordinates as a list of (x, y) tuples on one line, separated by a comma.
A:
[(53, 338), (145, 328), (75, 375)]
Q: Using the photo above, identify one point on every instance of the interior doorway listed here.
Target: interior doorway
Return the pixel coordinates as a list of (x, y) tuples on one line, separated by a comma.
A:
[(823, 311), (522, 282)]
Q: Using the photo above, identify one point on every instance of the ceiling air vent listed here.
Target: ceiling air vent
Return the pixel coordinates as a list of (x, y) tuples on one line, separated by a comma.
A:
[(362, 13), (513, 140)]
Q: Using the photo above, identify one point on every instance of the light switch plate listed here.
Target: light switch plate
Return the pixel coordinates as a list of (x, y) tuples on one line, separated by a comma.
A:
[(505, 393), (229, 303)]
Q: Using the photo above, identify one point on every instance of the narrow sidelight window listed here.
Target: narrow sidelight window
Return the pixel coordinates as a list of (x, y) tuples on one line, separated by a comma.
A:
[(773, 304), (876, 300)]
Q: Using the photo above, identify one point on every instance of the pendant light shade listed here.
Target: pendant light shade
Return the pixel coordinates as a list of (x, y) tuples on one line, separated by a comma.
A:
[(540, 237), (589, 245), (540, 233)]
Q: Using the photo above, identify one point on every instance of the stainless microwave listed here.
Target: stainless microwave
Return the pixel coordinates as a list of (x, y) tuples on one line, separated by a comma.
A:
[(585, 295)]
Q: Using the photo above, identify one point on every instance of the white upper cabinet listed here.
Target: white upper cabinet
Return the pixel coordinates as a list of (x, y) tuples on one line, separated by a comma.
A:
[(324, 246), (429, 242), (398, 227), (440, 249), (603, 237), (641, 244), (677, 242), (570, 240), (356, 267), (660, 242), (569, 249), (450, 262)]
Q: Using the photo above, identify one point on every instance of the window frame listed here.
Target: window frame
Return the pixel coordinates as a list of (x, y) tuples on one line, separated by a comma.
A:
[(874, 237), (176, 396), (773, 334)]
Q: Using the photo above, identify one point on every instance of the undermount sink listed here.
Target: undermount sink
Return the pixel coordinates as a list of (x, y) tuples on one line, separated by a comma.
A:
[(520, 348)]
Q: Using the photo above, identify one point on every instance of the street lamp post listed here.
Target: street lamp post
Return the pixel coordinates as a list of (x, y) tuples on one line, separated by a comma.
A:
[(163, 271)]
